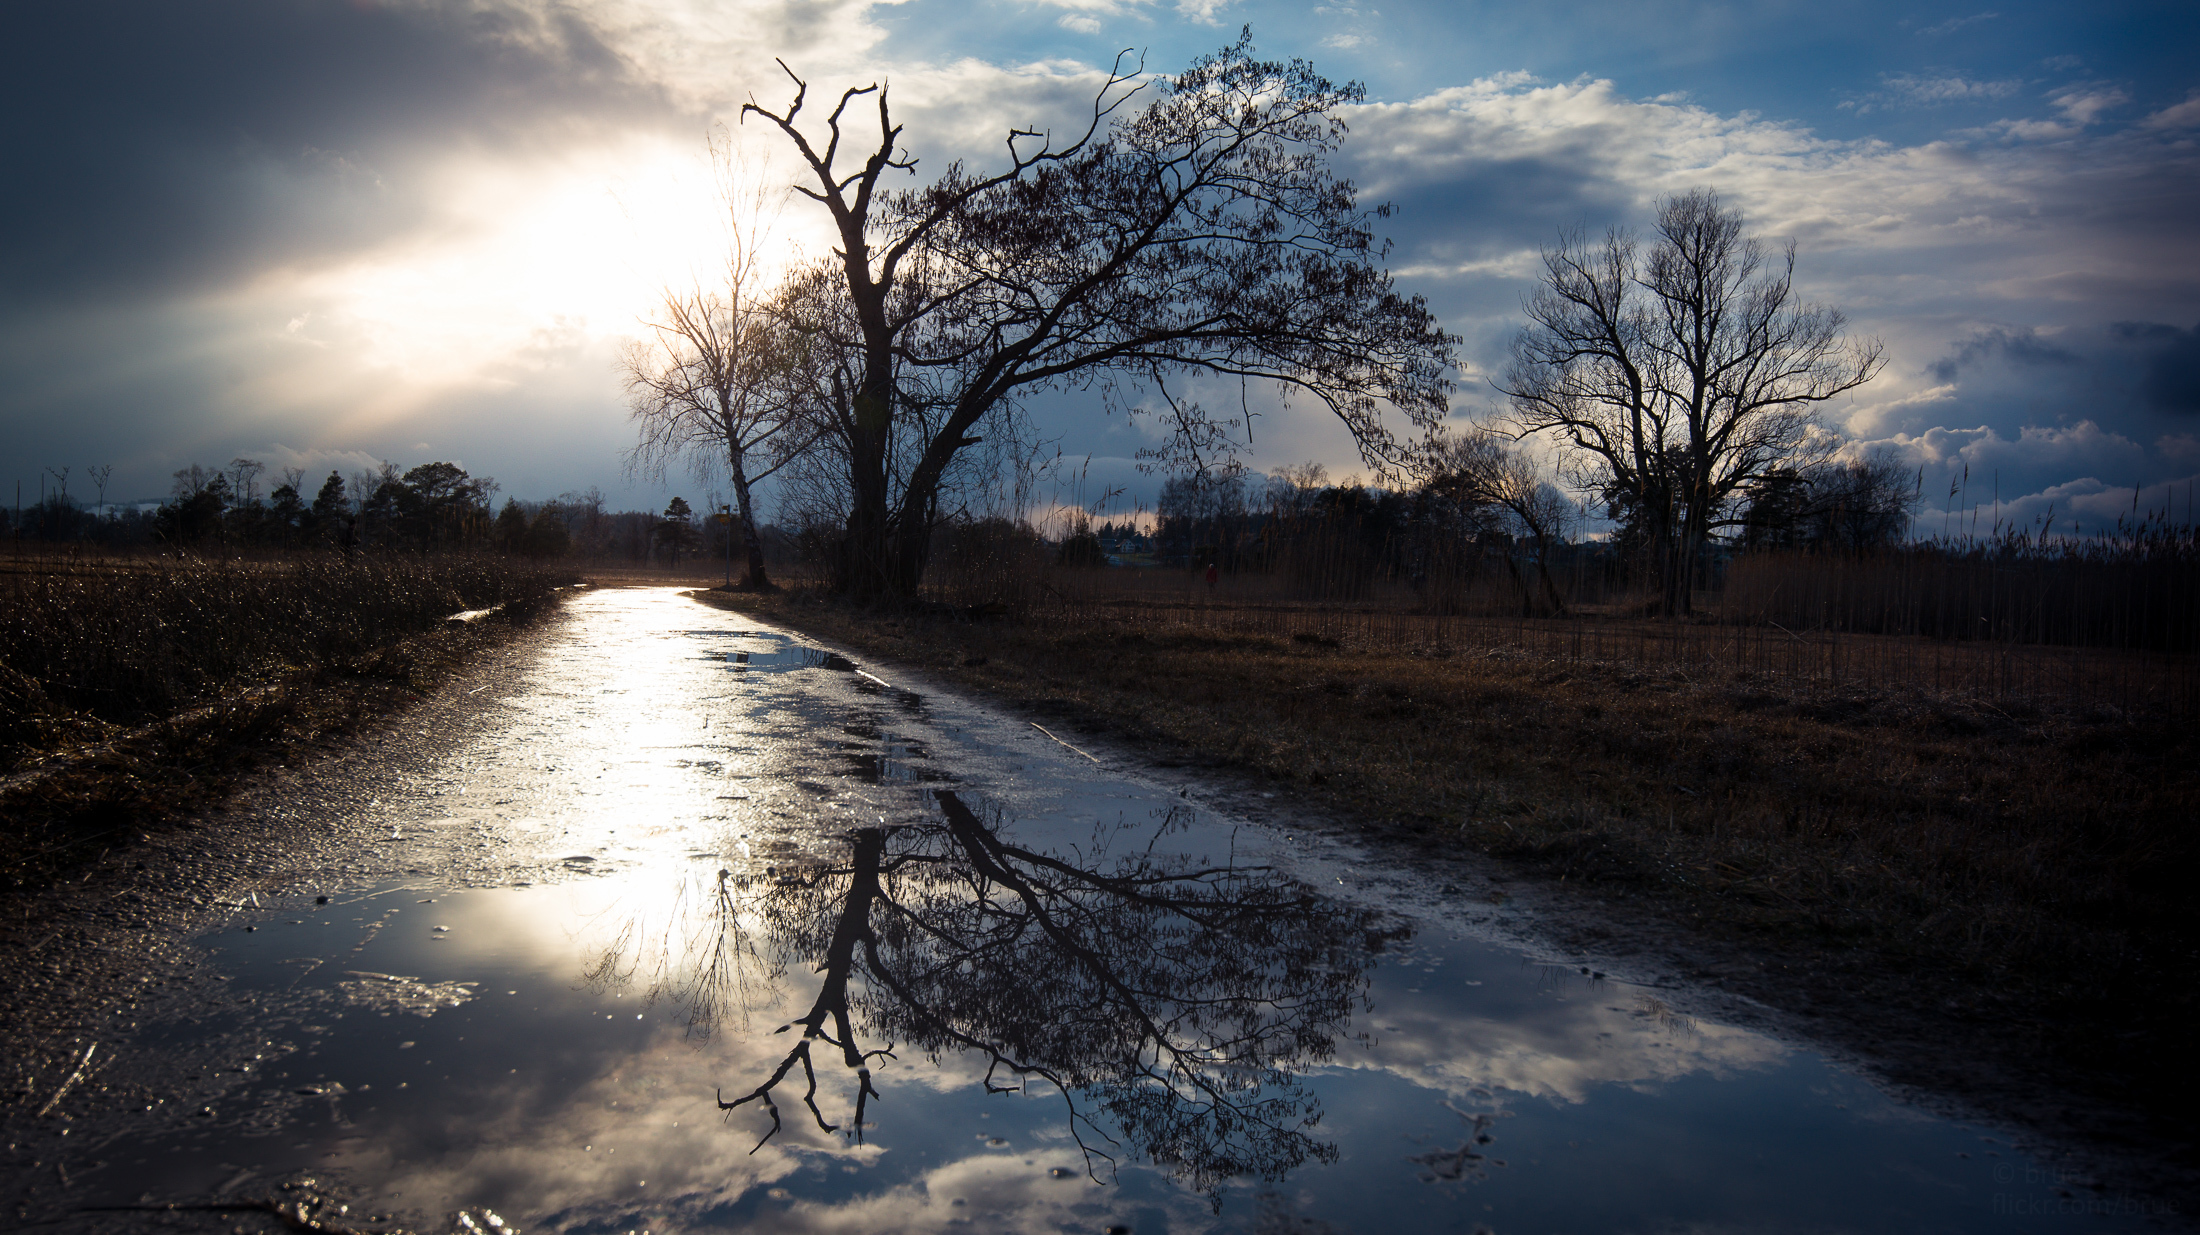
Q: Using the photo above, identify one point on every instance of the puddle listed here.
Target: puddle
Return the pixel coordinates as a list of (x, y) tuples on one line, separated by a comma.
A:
[(789, 655), (1034, 997)]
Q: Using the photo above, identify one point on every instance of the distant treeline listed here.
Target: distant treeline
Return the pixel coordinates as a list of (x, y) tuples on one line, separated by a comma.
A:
[(1465, 529), (432, 507), (1819, 550)]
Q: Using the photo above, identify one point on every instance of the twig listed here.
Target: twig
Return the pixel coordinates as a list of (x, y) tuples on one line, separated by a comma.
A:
[(70, 1083), (1043, 729)]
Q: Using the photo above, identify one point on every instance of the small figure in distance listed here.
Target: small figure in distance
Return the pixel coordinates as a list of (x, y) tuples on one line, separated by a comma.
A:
[(1211, 576)]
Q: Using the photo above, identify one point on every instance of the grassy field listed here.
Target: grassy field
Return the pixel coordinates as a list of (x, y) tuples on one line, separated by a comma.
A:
[(2003, 841), (134, 690)]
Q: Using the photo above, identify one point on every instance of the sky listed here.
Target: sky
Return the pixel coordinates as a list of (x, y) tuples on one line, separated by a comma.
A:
[(326, 233)]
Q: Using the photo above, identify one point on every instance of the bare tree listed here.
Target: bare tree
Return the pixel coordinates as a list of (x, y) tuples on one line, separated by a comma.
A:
[(1673, 382), (244, 479), (99, 476), (1203, 233), (710, 384), (1481, 468)]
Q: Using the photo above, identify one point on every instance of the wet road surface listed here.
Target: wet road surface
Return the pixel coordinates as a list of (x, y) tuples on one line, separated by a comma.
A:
[(702, 927)]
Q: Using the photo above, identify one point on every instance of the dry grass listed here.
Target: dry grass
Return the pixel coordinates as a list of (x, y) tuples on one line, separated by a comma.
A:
[(1164, 602), (2017, 856)]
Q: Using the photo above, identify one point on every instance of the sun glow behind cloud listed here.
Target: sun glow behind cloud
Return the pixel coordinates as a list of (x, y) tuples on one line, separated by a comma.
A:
[(533, 265), (533, 260)]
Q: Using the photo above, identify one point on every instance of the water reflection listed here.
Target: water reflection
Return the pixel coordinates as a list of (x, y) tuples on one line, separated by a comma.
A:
[(698, 957), (792, 656), (1171, 1003)]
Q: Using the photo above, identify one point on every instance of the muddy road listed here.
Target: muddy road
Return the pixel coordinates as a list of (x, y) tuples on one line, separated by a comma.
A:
[(665, 920)]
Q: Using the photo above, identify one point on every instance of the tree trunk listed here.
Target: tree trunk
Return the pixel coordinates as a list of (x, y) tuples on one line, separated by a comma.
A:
[(1543, 570), (751, 540), (867, 555), (1527, 594)]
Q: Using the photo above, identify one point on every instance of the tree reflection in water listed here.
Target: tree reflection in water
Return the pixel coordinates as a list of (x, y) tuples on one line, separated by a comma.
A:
[(1173, 1004)]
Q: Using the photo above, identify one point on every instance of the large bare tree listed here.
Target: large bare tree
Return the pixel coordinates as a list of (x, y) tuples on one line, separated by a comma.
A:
[(1674, 380), (714, 381), (1202, 232)]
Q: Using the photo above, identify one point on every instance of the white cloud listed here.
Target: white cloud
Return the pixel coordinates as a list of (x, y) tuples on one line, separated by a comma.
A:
[(2185, 115), (2084, 105), (2082, 475), (1355, 25), (1909, 89), (1205, 12), (1899, 409), (1083, 20), (1954, 24)]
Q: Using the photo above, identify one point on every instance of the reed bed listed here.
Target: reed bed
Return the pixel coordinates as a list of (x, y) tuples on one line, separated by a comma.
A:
[(2127, 679), (2136, 591)]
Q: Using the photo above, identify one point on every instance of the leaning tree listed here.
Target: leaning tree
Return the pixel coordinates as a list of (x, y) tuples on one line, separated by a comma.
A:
[(1192, 227), (1673, 382)]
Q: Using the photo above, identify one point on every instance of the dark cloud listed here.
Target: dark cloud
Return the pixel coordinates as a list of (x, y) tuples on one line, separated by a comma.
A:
[(1492, 207), (156, 147), (2171, 380), (2017, 347)]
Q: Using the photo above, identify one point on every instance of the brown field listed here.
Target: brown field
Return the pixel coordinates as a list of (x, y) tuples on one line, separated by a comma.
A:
[(134, 690), (1995, 836)]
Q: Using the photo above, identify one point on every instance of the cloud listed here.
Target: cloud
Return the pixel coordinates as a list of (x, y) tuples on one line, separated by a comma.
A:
[(1911, 90), (1083, 20), (2085, 104), (2081, 105), (355, 227), (224, 140), (2082, 472), (1355, 25), (2171, 365), (1917, 89), (1991, 270), (2185, 115), (2023, 346), (1954, 24), (220, 143)]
